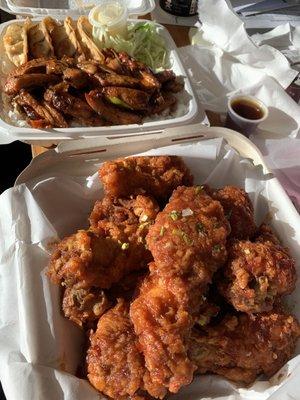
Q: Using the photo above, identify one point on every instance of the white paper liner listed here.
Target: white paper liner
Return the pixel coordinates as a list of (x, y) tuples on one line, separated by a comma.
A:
[(39, 349)]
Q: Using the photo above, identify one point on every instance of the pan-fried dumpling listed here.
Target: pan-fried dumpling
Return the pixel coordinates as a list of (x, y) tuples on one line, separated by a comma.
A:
[(72, 35), (85, 31), (16, 43), (39, 41), (60, 40)]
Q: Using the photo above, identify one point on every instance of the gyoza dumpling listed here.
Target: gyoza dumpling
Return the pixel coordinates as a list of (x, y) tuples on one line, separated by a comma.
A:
[(72, 35), (16, 43), (39, 41), (85, 31), (60, 39)]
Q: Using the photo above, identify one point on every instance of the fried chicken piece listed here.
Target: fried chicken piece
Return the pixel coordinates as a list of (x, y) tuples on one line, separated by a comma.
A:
[(127, 98), (13, 85), (189, 235), (187, 242), (162, 323), (257, 274), (40, 111), (244, 346), (84, 305), (109, 112), (114, 363), (135, 214), (238, 209), (97, 257), (156, 176)]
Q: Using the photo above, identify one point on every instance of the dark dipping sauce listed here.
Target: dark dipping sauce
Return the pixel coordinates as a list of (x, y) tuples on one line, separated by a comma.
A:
[(247, 109)]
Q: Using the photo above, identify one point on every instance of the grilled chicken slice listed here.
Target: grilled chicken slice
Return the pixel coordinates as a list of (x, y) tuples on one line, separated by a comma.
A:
[(71, 105), (105, 79), (109, 112), (141, 71), (165, 76), (14, 85), (76, 78), (174, 86), (44, 112), (57, 67), (164, 101), (128, 98), (37, 65)]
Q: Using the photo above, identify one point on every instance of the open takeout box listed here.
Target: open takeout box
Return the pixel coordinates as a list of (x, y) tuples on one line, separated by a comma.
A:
[(188, 110), (39, 349)]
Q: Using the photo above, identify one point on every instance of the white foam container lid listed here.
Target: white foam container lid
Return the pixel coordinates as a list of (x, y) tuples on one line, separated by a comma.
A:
[(72, 8), (45, 137)]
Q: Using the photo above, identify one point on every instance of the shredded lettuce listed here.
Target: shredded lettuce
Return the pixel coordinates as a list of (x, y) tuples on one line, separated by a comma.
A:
[(143, 43)]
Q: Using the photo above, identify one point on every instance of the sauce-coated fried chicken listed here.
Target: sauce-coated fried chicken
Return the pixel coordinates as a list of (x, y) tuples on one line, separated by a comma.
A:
[(84, 305), (257, 273), (96, 257), (156, 176), (134, 215), (114, 363), (238, 209), (189, 235), (187, 242), (162, 322), (242, 347)]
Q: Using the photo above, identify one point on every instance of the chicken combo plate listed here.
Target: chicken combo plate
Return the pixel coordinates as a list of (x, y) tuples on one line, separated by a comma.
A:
[(56, 76), (174, 279)]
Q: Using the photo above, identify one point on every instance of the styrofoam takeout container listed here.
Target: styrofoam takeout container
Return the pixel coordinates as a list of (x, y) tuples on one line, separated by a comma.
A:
[(72, 8), (39, 348), (9, 132)]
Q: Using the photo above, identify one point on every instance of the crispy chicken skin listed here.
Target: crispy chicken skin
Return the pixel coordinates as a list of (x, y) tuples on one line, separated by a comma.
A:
[(238, 209), (187, 242), (189, 235), (97, 257), (244, 346), (257, 273), (84, 305), (156, 176), (162, 322), (114, 363), (135, 214)]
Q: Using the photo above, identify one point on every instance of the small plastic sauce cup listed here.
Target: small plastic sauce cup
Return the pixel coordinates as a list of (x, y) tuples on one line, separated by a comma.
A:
[(245, 113), (109, 16)]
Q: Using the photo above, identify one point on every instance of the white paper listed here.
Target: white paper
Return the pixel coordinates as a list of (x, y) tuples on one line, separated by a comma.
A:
[(39, 349), (224, 61)]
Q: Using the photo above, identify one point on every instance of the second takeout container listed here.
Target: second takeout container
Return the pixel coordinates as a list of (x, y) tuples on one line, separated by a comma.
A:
[(39, 348), (46, 137), (64, 8)]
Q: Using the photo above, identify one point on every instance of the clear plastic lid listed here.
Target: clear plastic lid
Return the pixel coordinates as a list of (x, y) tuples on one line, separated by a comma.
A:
[(72, 8)]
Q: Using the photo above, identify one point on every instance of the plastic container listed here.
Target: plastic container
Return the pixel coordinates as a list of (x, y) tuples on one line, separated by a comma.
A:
[(52, 197), (46, 137), (109, 16), (72, 8)]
